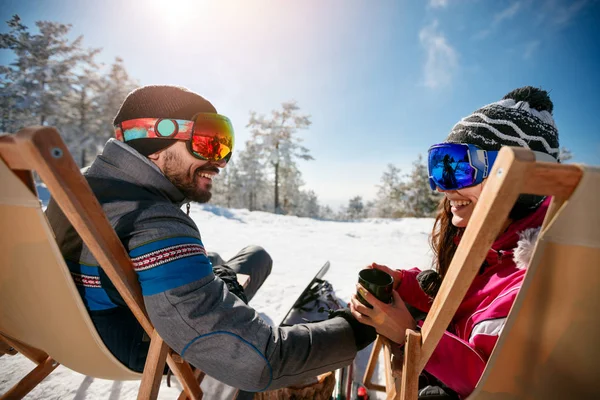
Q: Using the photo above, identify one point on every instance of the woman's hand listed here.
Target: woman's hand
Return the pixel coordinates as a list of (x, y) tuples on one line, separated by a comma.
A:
[(390, 320), (395, 273)]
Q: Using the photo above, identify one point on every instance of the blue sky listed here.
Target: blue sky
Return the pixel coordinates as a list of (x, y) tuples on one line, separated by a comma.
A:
[(383, 80)]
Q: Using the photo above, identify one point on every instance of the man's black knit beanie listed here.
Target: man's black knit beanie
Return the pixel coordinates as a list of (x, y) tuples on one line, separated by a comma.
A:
[(160, 101)]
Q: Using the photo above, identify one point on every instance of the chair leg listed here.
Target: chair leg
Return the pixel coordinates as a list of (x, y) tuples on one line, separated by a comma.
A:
[(367, 378), (186, 377), (31, 380), (154, 368), (409, 389), (199, 376), (35, 355), (390, 380), (6, 348)]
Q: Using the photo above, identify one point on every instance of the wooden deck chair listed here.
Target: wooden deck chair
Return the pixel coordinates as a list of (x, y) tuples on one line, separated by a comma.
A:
[(549, 346), (40, 307)]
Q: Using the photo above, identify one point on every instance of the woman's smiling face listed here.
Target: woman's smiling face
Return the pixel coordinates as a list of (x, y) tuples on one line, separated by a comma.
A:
[(462, 202)]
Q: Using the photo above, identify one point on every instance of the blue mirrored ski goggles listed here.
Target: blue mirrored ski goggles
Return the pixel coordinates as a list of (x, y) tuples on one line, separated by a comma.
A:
[(454, 166)]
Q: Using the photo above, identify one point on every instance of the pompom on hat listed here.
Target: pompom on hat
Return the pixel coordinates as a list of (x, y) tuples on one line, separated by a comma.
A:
[(160, 101), (523, 118)]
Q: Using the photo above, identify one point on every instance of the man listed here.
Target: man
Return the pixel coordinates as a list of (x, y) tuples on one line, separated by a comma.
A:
[(171, 144)]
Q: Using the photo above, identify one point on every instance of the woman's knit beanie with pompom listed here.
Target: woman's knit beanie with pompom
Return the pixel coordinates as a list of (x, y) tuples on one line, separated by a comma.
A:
[(522, 118)]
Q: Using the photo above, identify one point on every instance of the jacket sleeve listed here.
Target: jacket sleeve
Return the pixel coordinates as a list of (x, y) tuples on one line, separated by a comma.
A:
[(213, 329), (410, 291)]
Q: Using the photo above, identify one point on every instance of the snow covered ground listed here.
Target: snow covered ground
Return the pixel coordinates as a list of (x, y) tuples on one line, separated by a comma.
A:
[(299, 246)]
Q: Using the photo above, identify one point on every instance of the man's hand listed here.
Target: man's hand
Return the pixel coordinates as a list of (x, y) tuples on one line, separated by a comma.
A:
[(364, 335), (229, 276), (390, 320)]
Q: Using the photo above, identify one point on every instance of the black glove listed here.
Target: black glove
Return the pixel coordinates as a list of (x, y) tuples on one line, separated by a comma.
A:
[(229, 276), (430, 282), (364, 335)]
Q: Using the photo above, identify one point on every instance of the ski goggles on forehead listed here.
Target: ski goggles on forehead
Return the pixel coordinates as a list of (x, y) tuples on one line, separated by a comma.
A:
[(208, 136), (455, 166)]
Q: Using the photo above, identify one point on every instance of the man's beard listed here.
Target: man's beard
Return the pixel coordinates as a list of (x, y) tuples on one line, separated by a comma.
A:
[(180, 179)]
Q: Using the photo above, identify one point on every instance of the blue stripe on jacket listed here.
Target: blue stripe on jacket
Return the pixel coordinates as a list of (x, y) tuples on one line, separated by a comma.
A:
[(170, 263), (94, 298)]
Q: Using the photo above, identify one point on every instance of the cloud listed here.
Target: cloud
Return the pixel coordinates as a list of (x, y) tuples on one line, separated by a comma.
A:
[(497, 19), (438, 3), (565, 14), (530, 48), (557, 14), (507, 13), (442, 59)]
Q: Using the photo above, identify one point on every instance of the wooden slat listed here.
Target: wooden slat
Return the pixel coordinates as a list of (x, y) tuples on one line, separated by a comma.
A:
[(11, 157), (6, 348), (35, 355), (373, 358), (547, 179), (49, 156), (389, 377), (409, 388), (186, 378), (154, 368), (31, 380), (199, 375)]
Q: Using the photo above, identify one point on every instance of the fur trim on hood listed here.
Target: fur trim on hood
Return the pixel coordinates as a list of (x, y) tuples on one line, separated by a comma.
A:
[(524, 250)]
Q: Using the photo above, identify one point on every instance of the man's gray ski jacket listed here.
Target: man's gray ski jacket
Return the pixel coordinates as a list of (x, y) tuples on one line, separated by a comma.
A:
[(192, 309)]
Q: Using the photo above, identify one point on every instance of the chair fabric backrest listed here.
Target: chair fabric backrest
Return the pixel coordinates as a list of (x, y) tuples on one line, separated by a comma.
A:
[(549, 347), (39, 303)]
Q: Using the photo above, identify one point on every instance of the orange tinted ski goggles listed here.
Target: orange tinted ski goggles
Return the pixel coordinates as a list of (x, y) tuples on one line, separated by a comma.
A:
[(208, 136)]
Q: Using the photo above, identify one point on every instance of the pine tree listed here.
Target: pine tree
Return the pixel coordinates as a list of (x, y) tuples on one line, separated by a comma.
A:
[(43, 69), (277, 141), (390, 196), (114, 88), (356, 208), (253, 185), (419, 199)]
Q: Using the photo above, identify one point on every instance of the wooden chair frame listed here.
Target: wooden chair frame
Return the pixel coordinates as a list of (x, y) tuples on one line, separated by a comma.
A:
[(42, 150), (514, 172)]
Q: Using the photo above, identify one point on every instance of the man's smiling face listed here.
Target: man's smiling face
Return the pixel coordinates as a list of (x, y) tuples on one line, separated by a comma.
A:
[(192, 176)]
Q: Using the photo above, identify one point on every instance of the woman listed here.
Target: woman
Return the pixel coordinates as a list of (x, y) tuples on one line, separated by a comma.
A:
[(522, 118)]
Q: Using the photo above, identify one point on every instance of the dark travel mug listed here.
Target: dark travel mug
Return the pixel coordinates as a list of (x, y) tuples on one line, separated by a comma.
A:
[(378, 283)]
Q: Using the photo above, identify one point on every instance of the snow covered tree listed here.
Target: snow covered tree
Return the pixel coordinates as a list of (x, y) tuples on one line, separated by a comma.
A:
[(55, 81), (43, 68), (308, 205), (277, 141), (419, 200), (253, 184), (114, 88), (356, 208), (389, 200), (81, 116), (226, 187)]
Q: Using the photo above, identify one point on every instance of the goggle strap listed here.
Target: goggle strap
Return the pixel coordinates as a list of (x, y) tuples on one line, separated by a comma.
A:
[(492, 155), (141, 128)]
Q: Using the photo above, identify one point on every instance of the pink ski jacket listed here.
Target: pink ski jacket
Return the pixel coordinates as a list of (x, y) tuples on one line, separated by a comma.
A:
[(462, 353)]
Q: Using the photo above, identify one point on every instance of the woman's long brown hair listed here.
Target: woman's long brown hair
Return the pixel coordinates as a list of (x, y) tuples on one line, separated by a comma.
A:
[(443, 238)]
